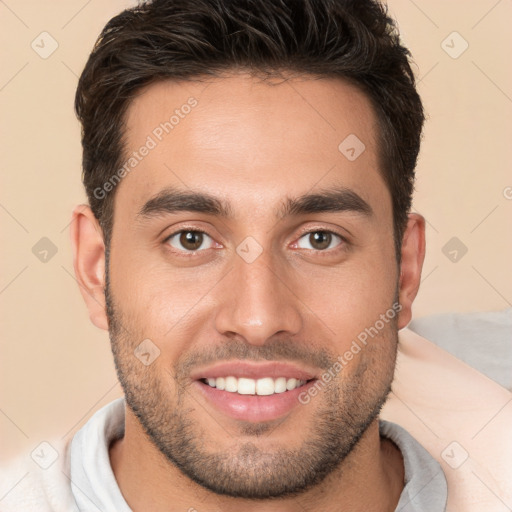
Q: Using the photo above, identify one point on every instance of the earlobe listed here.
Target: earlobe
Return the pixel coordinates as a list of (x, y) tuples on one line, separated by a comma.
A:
[(89, 262), (413, 254)]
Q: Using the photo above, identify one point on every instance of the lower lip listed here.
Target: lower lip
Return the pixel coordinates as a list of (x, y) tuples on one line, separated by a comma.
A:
[(253, 408)]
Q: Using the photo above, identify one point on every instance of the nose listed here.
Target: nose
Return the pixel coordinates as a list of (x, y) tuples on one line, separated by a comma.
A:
[(257, 302)]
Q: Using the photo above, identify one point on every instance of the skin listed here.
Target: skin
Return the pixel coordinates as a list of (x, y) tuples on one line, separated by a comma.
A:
[(252, 144)]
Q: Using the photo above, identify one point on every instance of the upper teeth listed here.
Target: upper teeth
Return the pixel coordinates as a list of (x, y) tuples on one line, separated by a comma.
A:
[(265, 386)]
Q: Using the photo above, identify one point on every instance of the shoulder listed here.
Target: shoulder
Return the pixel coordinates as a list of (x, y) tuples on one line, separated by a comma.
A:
[(462, 418), (38, 481)]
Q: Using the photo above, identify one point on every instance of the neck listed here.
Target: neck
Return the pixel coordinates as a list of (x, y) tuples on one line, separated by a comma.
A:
[(370, 478)]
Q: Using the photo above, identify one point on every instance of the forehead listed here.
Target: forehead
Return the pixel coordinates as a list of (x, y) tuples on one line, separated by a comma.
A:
[(249, 139)]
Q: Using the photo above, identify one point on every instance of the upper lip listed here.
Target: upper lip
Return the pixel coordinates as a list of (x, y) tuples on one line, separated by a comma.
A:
[(253, 370)]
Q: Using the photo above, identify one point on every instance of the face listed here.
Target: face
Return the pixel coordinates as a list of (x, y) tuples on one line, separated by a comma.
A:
[(249, 255)]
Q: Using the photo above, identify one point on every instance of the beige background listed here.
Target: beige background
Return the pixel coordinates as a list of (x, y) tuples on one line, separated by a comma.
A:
[(56, 368)]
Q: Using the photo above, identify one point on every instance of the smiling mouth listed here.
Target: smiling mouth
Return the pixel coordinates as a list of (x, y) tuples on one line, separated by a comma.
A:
[(262, 387)]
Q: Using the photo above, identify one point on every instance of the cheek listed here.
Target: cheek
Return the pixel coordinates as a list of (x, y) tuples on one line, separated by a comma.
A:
[(165, 304), (350, 298)]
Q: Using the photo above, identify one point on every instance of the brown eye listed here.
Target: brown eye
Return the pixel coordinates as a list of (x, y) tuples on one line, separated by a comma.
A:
[(190, 240), (318, 240)]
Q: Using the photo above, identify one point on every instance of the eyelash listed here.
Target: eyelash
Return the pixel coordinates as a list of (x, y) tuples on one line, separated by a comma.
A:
[(187, 254)]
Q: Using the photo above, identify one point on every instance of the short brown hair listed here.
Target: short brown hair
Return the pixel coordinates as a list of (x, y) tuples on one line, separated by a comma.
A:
[(185, 39)]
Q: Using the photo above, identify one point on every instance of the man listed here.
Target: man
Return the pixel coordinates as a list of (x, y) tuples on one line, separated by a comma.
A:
[(249, 246)]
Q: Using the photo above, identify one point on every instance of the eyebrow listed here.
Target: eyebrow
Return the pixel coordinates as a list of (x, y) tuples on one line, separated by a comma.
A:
[(172, 200), (339, 199)]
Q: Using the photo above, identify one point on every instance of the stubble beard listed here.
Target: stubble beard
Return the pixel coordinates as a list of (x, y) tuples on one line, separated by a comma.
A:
[(344, 410)]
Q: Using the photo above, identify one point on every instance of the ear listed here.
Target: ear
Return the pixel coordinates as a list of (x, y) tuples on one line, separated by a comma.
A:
[(413, 254), (89, 262)]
